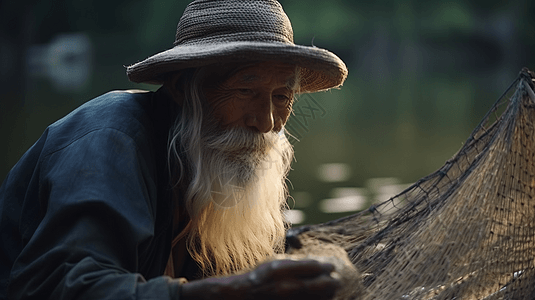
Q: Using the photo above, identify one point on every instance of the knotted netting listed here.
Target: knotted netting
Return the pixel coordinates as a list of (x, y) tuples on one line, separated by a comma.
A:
[(467, 231)]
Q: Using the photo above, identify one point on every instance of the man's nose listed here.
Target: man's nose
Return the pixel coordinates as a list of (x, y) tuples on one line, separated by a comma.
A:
[(261, 115)]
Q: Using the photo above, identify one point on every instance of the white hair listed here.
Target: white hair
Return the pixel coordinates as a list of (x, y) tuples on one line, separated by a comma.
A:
[(232, 184)]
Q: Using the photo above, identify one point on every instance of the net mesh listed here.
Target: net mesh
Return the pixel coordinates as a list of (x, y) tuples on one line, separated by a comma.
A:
[(467, 231)]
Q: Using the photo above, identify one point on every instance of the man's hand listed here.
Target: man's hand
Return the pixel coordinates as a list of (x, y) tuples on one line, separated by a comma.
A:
[(278, 279)]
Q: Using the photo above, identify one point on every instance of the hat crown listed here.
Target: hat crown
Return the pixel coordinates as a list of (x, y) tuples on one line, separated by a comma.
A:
[(235, 31), (220, 21)]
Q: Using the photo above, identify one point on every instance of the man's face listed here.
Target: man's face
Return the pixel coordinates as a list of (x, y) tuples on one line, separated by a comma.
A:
[(237, 160), (258, 97)]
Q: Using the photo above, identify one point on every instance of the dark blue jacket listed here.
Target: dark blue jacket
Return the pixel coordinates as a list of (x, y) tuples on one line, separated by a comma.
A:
[(86, 212)]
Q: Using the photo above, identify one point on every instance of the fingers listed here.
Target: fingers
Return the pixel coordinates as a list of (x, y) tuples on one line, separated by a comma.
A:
[(292, 279), (293, 268), (320, 287), (317, 288)]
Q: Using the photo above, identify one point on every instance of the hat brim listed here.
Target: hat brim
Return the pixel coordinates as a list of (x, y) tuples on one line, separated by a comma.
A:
[(321, 69)]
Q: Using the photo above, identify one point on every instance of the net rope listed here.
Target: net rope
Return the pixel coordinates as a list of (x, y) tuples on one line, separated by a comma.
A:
[(466, 231)]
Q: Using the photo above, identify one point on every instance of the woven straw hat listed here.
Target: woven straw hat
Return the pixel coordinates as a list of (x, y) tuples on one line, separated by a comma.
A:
[(222, 31)]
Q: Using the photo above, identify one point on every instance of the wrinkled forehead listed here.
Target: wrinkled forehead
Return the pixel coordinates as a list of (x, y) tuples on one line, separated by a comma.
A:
[(258, 72), (262, 72)]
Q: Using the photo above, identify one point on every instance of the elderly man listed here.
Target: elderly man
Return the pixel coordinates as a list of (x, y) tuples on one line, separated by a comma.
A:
[(177, 193)]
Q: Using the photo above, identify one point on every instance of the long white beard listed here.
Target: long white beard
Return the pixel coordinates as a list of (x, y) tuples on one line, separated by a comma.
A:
[(240, 162), (238, 198)]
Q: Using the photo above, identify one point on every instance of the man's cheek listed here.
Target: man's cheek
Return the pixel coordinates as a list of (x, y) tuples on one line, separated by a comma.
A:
[(229, 111), (284, 115)]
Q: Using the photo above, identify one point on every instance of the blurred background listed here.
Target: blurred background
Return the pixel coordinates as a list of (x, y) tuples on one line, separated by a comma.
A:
[(421, 76)]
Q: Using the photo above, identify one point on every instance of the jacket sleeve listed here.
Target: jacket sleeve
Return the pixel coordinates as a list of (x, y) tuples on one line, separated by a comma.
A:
[(98, 196)]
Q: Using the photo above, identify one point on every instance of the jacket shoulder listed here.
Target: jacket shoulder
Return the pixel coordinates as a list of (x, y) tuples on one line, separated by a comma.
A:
[(125, 111)]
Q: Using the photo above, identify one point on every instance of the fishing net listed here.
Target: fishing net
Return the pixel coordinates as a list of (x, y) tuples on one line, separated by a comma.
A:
[(467, 231)]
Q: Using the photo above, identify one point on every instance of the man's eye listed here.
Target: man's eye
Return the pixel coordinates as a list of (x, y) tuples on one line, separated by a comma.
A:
[(281, 98), (245, 91)]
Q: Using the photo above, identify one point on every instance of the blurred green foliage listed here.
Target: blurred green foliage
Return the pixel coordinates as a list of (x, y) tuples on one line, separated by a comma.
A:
[(422, 75)]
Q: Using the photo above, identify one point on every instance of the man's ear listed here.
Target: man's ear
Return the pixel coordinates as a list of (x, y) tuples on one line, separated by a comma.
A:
[(174, 85)]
